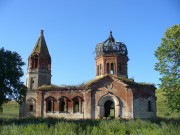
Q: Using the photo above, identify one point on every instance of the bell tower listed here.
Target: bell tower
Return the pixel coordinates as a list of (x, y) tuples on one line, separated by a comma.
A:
[(39, 65), (111, 58)]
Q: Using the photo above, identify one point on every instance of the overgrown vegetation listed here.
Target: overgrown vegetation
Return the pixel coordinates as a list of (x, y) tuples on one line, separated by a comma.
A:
[(54, 126), (47, 87), (79, 86), (131, 81), (55, 87), (90, 82)]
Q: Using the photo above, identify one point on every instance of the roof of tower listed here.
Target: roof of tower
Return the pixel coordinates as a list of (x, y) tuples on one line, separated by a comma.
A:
[(40, 47), (111, 46)]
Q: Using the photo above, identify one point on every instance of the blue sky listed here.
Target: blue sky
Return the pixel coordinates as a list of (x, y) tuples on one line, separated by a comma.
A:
[(72, 29)]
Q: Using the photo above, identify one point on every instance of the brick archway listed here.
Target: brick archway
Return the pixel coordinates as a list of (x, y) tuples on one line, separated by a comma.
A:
[(103, 100)]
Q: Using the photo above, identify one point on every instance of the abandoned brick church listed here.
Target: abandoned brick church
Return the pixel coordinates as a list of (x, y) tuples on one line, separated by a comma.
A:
[(110, 94)]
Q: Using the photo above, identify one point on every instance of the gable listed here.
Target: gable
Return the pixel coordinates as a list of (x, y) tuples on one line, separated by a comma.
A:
[(107, 82)]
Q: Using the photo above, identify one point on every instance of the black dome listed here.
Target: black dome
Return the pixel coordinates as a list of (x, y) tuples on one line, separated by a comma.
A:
[(111, 46)]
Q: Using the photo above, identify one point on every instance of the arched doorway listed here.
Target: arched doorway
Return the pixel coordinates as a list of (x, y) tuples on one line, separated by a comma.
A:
[(109, 106), (109, 110)]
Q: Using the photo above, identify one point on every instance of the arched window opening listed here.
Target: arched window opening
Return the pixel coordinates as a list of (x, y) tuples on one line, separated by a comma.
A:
[(35, 63), (49, 106), (34, 60), (107, 68), (76, 106), (112, 69), (62, 106), (31, 105), (31, 108), (50, 103), (149, 106)]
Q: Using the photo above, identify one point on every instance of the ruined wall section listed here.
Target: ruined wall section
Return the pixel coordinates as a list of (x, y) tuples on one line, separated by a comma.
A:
[(144, 102), (69, 95)]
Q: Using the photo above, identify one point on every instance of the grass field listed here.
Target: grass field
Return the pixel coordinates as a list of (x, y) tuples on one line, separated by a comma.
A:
[(162, 109), (10, 110)]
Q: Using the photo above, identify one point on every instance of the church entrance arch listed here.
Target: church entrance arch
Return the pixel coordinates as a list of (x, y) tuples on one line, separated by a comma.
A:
[(109, 109), (109, 106)]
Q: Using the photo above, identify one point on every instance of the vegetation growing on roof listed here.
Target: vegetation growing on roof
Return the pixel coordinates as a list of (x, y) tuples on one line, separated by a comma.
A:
[(55, 87), (79, 86), (47, 87), (131, 81), (84, 85), (95, 80)]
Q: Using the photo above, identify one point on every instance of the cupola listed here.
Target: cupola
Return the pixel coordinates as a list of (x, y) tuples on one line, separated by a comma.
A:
[(111, 46)]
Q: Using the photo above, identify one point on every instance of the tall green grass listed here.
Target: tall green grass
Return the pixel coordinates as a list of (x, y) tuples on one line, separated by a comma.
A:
[(54, 126)]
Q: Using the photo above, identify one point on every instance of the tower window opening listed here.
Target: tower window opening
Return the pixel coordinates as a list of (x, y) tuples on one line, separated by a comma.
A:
[(107, 68), (35, 62), (32, 83), (100, 70), (112, 69), (49, 67), (97, 70), (120, 68)]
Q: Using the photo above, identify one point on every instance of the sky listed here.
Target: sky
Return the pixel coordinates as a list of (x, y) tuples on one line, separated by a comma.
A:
[(72, 30)]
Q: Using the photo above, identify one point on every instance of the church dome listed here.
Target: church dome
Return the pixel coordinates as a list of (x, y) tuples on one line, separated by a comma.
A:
[(111, 46)]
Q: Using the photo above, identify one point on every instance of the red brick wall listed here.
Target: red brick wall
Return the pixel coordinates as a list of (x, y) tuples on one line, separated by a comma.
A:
[(116, 60), (70, 94), (118, 89)]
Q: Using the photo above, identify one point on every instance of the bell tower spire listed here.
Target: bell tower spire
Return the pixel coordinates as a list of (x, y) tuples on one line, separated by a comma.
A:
[(39, 65)]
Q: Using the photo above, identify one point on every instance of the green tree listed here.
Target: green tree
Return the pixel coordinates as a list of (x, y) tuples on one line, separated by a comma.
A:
[(10, 72), (168, 55)]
